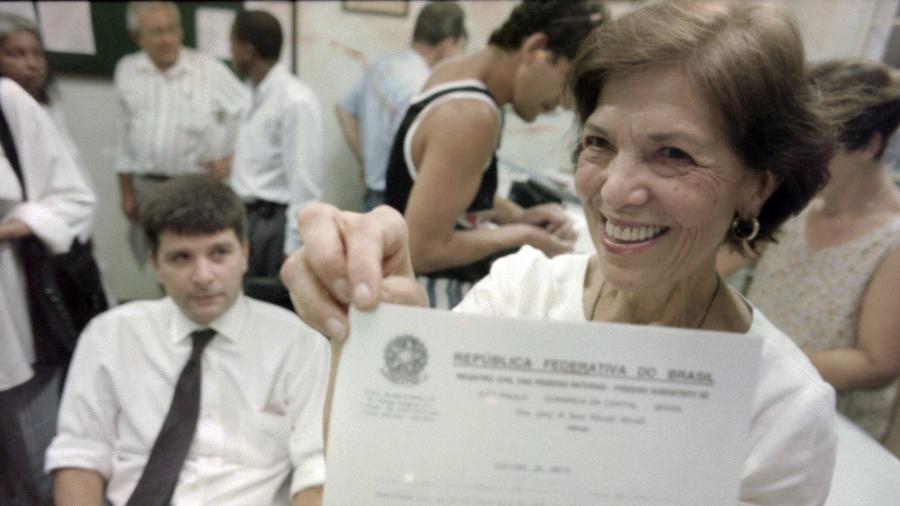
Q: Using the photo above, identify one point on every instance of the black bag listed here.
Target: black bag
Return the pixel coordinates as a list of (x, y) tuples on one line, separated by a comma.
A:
[(532, 193), (64, 291)]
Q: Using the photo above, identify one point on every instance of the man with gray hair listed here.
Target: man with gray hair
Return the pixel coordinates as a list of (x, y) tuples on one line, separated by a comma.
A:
[(180, 110), (370, 112)]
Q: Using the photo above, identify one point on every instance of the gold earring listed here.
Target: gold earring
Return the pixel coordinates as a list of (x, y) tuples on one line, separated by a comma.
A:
[(745, 229)]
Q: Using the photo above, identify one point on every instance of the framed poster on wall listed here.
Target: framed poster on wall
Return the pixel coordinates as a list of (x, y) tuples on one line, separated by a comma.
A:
[(90, 37), (385, 8)]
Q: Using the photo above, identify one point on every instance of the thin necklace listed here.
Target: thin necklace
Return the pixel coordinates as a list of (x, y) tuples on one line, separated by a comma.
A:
[(705, 314)]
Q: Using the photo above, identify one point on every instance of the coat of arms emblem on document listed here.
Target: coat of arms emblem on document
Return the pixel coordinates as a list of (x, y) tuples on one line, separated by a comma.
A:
[(405, 358)]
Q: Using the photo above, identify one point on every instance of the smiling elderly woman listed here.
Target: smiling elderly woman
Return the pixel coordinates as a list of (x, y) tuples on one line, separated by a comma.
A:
[(697, 129)]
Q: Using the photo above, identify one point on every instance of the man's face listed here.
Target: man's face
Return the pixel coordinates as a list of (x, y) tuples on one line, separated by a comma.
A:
[(159, 35), (201, 273), (539, 85), (241, 54)]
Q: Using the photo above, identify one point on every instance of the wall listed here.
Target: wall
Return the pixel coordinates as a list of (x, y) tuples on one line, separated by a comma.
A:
[(333, 45)]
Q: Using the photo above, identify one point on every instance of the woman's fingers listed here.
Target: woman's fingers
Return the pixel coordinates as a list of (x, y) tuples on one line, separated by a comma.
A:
[(376, 248), (323, 248), (313, 301), (344, 260)]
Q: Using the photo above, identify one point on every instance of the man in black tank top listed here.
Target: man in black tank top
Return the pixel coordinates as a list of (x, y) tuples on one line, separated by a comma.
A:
[(442, 171)]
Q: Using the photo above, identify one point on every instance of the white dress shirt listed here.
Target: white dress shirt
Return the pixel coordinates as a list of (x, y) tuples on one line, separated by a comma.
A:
[(59, 208), (175, 121), (264, 377), (791, 444), (379, 100), (279, 152)]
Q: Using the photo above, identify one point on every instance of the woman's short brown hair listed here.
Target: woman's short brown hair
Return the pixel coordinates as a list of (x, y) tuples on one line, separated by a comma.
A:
[(862, 98), (747, 59)]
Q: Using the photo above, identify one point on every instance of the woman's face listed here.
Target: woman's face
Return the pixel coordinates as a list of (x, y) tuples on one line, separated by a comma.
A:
[(659, 181), (22, 59)]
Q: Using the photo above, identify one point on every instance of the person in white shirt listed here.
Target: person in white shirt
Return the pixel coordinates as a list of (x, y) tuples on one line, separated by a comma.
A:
[(58, 209), (279, 153), (697, 128), (256, 432), (22, 59), (180, 110), (370, 112)]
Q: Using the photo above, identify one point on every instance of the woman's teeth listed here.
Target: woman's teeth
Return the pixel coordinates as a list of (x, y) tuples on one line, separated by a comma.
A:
[(632, 234)]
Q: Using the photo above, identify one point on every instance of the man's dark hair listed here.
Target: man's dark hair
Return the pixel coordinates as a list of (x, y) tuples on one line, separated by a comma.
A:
[(439, 20), (192, 205), (261, 30), (565, 23)]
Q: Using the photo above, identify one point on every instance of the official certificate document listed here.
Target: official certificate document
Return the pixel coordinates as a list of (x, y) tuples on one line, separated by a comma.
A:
[(432, 407)]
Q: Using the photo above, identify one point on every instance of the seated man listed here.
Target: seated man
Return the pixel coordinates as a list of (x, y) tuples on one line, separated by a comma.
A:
[(150, 418)]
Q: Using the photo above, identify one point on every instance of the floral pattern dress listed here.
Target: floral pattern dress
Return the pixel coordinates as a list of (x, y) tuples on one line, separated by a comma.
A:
[(814, 296)]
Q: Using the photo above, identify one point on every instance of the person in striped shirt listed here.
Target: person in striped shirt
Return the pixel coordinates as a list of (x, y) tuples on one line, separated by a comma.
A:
[(180, 111)]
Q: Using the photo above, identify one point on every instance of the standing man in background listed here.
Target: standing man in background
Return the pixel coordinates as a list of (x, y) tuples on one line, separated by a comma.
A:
[(370, 112), (180, 111), (279, 153)]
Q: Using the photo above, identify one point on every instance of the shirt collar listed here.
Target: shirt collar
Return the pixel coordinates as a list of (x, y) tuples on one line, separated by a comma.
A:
[(276, 74), (180, 65), (230, 325)]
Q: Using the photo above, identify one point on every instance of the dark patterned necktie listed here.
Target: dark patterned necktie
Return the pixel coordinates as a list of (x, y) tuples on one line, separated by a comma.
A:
[(157, 483)]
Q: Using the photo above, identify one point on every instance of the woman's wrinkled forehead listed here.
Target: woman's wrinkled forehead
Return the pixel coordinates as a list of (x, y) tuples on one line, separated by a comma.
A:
[(680, 89)]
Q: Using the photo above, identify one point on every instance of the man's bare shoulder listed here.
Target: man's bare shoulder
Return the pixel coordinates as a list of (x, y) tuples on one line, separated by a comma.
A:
[(465, 116)]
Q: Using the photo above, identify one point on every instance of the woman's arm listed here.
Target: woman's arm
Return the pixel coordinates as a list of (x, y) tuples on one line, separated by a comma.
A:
[(875, 361)]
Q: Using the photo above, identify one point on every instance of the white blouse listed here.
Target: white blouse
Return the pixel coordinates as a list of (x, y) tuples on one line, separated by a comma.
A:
[(792, 441)]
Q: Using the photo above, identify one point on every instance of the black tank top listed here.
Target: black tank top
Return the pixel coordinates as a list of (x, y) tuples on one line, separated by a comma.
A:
[(398, 183)]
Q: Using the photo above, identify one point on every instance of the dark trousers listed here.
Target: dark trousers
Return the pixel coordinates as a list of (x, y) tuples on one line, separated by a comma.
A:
[(266, 225), (27, 425)]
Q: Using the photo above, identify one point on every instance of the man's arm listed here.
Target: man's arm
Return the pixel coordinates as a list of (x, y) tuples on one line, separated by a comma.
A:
[(311, 496), (81, 454), (459, 139), (129, 200), (79, 487), (551, 217), (350, 127), (348, 111), (125, 162)]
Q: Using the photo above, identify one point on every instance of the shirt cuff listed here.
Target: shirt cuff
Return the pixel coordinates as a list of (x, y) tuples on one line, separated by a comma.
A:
[(310, 473), (55, 233), (70, 451)]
